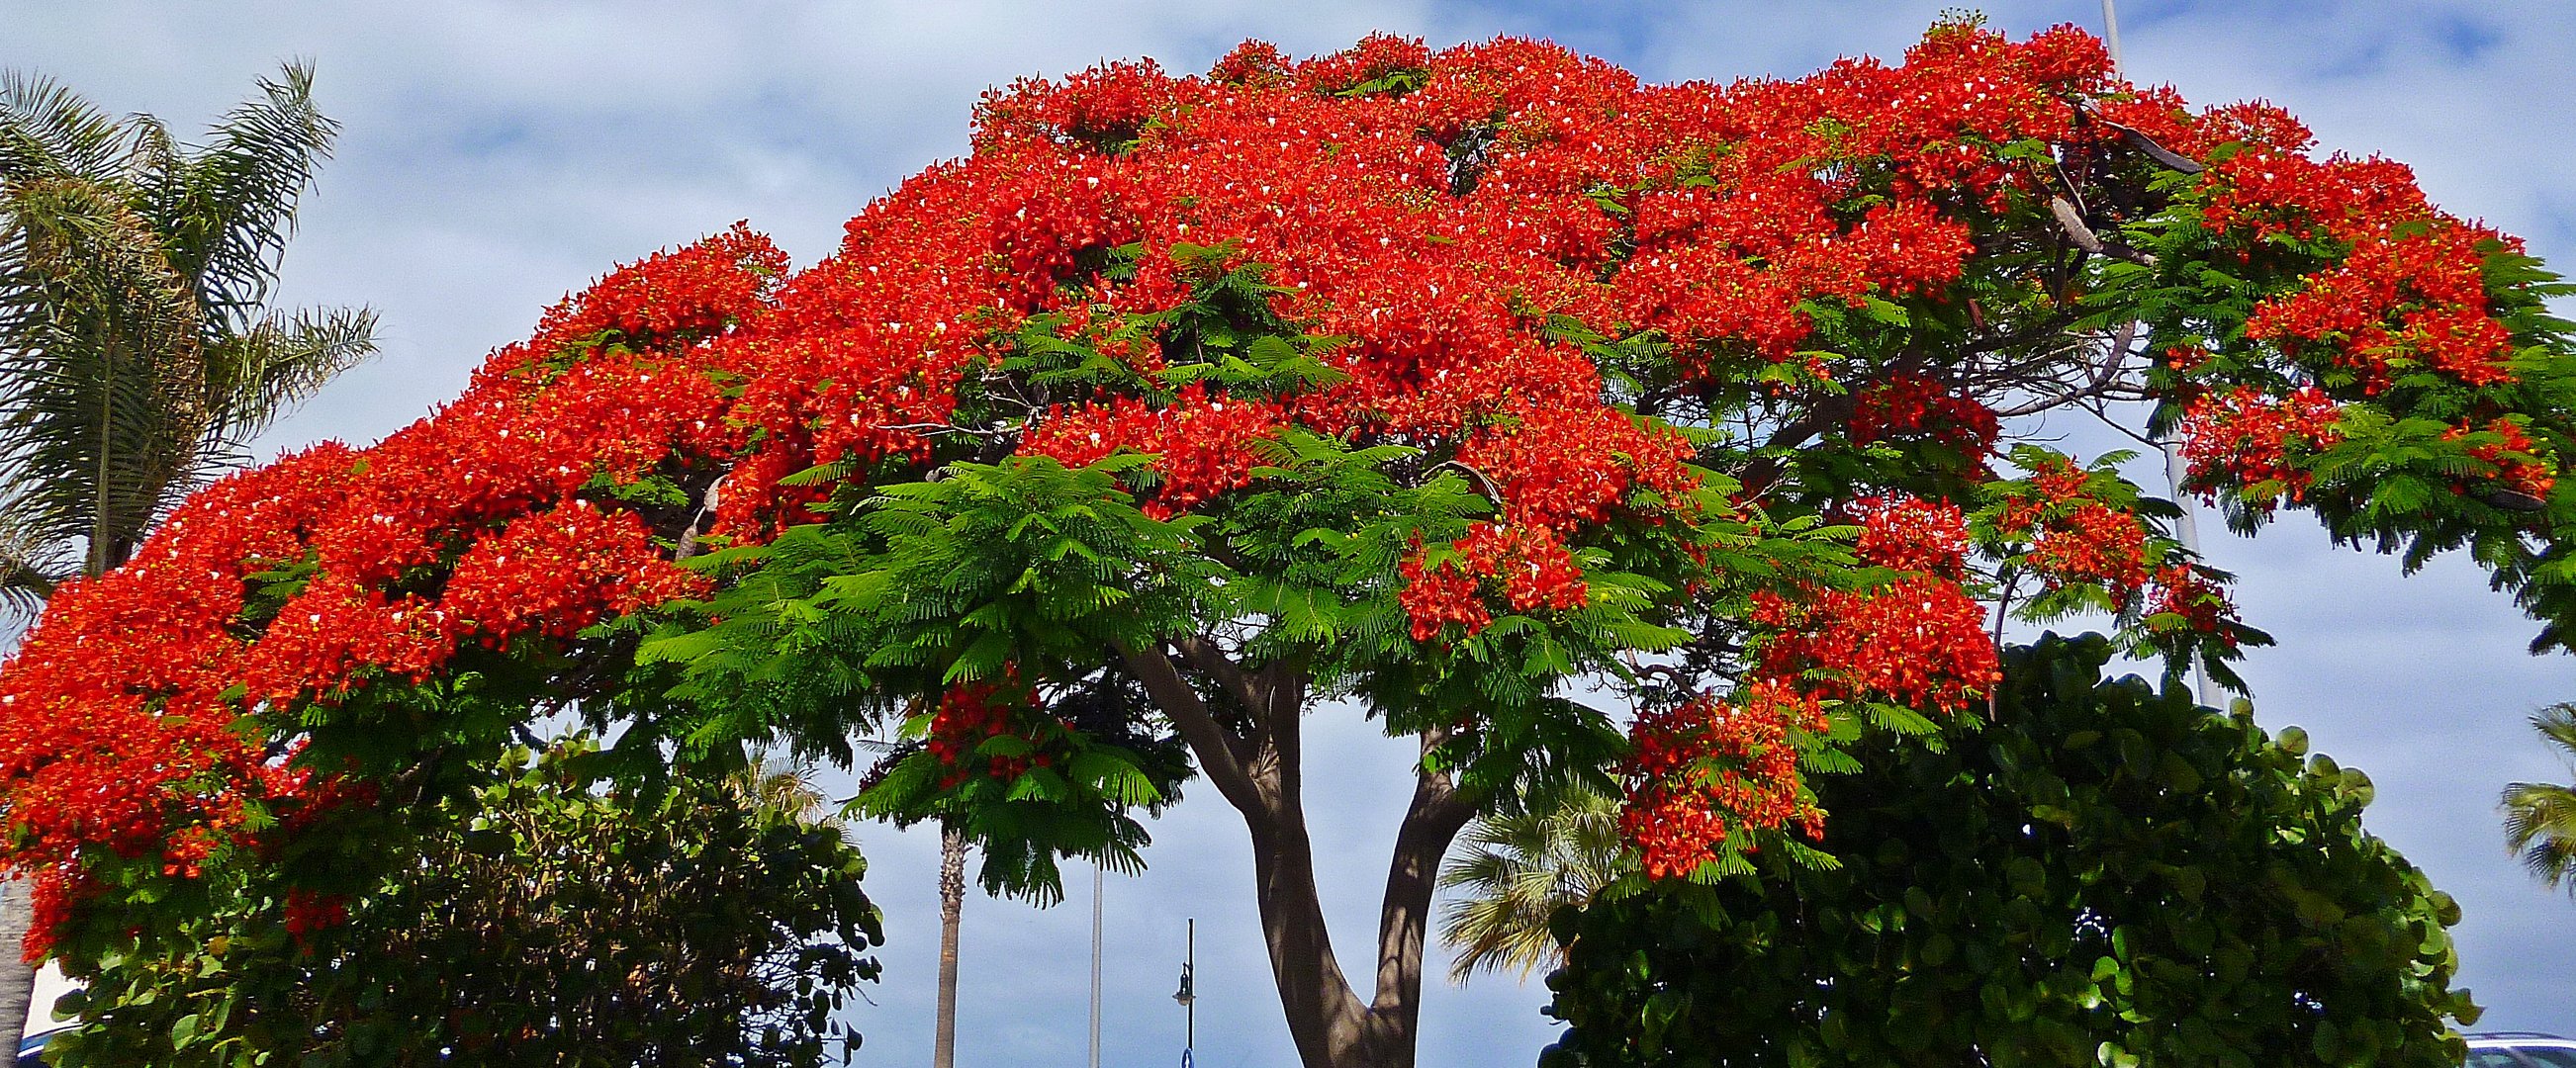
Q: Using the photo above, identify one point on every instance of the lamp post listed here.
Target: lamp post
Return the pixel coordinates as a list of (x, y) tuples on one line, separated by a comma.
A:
[(1188, 995)]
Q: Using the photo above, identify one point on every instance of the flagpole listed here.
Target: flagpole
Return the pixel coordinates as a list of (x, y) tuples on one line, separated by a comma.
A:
[(1096, 882)]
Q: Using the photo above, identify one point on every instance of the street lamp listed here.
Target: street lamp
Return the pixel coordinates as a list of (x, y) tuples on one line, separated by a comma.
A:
[(1188, 995), (2177, 471)]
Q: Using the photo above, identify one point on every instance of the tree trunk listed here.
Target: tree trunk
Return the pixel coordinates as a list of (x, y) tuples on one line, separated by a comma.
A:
[(1330, 1024), (1325, 1018), (1261, 775), (952, 901), (17, 977)]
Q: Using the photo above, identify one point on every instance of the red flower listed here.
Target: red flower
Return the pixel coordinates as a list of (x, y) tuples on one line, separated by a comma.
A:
[(1706, 768), (2246, 438)]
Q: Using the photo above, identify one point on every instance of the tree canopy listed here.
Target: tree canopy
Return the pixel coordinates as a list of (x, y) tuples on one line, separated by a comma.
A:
[(1486, 390)]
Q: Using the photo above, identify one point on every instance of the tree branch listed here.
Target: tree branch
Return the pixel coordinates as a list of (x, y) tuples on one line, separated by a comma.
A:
[(1230, 676), (2069, 220), (2104, 378), (1221, 754), (1483, 481), (1437, 814), (2154, 151)]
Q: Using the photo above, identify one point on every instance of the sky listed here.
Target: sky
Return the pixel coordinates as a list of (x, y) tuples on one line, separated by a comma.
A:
[(497, 156)]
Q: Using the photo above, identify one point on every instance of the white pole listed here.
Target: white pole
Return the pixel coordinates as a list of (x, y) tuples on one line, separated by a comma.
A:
[(1095, 965), (2187, 526), (2111, 34)]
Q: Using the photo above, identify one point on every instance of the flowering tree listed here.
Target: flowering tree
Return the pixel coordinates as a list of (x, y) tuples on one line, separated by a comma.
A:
[(1481, 391)]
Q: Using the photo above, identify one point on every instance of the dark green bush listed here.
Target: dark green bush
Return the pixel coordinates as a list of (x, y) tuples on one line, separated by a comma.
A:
[(2098, 873)]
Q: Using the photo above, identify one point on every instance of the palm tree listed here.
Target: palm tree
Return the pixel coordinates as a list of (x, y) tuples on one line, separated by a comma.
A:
[(138, 355), (2540, 818), (771, 782), (1517, 870)]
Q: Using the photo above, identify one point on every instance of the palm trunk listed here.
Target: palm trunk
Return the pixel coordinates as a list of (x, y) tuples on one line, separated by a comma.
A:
[(952, 901), (1260, 774), (17, 977)]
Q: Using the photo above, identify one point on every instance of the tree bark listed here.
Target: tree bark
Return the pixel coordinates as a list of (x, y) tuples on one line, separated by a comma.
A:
[(1261, 775), (952, 901), (1431, 823), (17, 977), (1326, 1019)]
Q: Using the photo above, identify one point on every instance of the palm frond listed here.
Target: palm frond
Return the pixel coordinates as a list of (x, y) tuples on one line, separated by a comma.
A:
[(135, 357), (101, 387), (153, 157), (1516, 871), (779, 784), (47, 129), (2557, 723), (2540, 818), (258, 375), (235, 202), (30, 567)]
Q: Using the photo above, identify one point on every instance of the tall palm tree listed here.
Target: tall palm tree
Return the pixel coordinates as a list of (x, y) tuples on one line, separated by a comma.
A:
[(952, 899), (138, 354), (2540, 818), (1517, 870), (952, 904)]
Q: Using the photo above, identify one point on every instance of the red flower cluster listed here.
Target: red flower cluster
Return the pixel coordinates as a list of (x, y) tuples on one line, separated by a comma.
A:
[(1533, 569), (1906, 406), (2072, 536), (1203, 446), (1706, 768), (972, 714), (1911, 534), (1920, 642), (2411, 287), (117, 717), (308, 913), (2202, 604), (2245, 437), (2518, 468), (2092, 543), (2161, 114)]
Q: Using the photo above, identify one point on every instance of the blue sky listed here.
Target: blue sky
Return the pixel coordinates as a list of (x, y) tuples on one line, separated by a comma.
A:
[(498, 156)]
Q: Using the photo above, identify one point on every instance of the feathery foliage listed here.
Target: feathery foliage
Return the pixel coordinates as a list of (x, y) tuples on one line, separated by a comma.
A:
[(2096, 872), (542, 918)]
